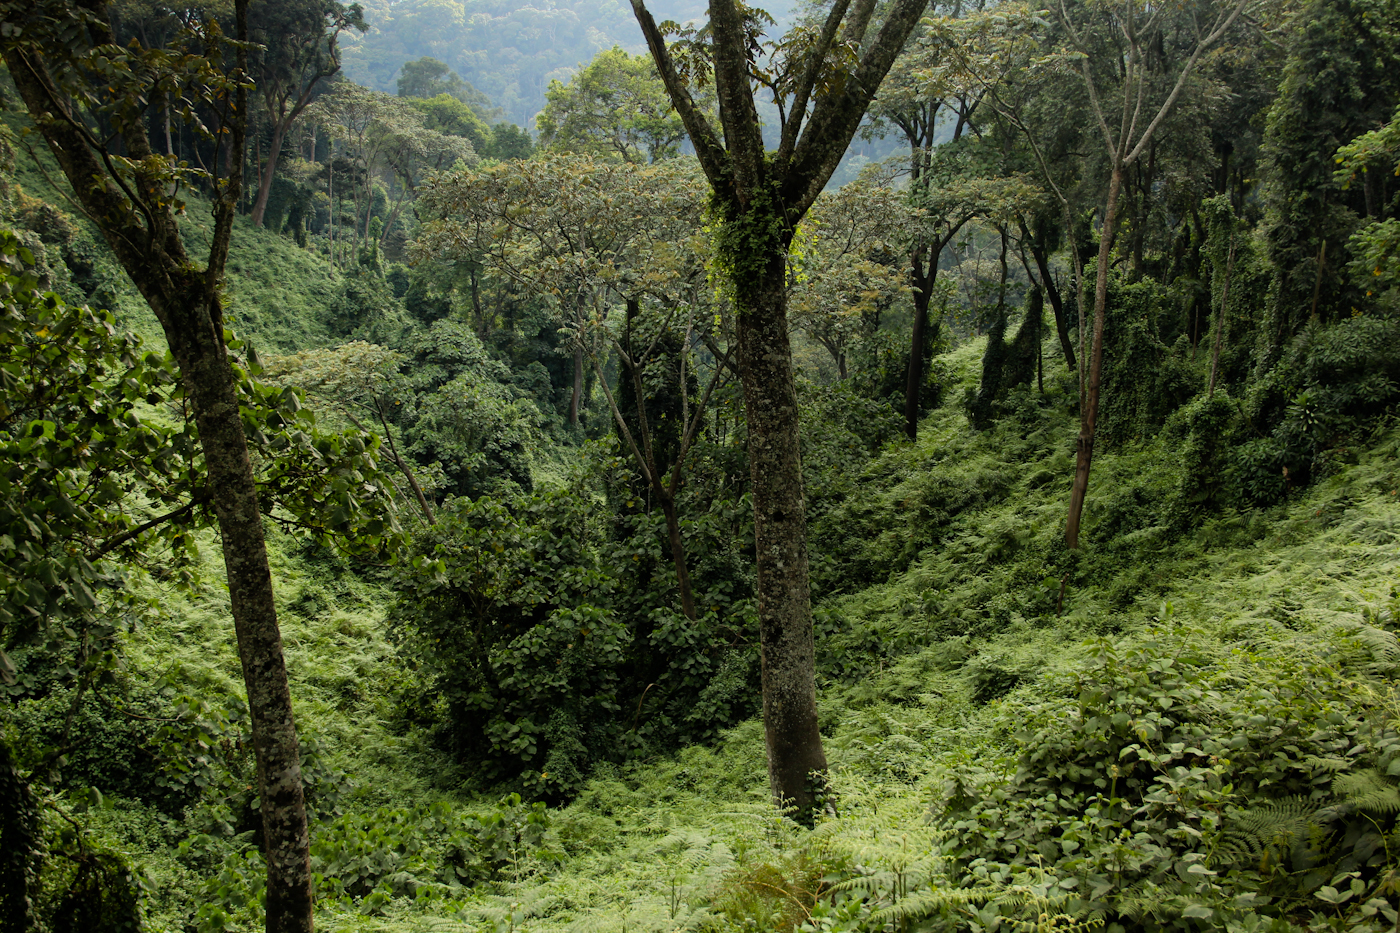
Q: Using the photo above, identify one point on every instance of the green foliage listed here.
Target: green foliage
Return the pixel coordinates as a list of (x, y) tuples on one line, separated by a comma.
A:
[(1331, 93), (547, 652), (1331, 388), (1130, 788), (615, 108), (1144, 380), (429, 78)]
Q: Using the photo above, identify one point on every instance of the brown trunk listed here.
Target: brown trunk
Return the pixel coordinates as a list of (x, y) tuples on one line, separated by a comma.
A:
[(1057, 304), (1089, 413), (400, 462), (673, 534), (914, 372), (185, 299), (576, 400), (269, 172), (780, 532)]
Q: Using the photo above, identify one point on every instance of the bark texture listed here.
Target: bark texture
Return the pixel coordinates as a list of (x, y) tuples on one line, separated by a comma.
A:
[(760, 199), (1089, 412), (186, 299), (793, 740)]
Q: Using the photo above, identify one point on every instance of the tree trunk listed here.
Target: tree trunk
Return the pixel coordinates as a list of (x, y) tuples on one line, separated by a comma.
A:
[(186, 301), (914, 373), (576, 400), (1220, 319), (269, 172), (1089, 413), (1056, 302), (780, 533), (208, 378), (673, 534)]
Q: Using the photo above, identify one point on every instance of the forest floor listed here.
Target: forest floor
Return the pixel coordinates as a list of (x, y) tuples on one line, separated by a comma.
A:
[(938, 681)]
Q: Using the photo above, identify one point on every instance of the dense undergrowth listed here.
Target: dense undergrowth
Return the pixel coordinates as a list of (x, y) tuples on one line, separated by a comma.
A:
[(1189, 725)]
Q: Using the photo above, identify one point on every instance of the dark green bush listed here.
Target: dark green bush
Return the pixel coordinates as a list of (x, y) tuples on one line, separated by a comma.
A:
[(549, 652)]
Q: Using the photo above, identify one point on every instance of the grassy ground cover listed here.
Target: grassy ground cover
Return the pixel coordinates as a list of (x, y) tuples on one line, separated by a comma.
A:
[(1189, 725)]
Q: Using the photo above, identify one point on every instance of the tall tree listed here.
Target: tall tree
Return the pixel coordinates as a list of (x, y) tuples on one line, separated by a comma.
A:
[(584, 231), (428, 77), (300, 49), (1342, 79), (69, 70), (616, 107), (758, 199), (1114, 60), (926, 105)]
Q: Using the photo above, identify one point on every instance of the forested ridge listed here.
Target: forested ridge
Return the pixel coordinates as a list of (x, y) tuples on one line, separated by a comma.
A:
[(490, 468)]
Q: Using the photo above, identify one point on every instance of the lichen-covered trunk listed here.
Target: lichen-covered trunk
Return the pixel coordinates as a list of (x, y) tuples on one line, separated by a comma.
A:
[(207, 377), (780, 538), (1089, 415)]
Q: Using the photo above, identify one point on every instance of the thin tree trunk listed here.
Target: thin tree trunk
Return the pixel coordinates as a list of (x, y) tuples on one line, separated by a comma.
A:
[(576, 400), (914, 372), (1089, 412), (1220, 319), (330, 210), (673, 534), (1056, 300), (399, 462)]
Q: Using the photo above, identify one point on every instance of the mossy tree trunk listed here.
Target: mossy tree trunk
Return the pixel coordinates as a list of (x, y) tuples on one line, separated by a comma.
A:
[(760, 197), (138, 223)]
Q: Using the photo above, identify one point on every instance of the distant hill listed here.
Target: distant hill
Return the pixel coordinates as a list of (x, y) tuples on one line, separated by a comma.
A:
[(509, 49)]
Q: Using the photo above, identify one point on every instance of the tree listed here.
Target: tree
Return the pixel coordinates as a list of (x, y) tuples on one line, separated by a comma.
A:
[(1341, 80), (920, 99), (616, 107), (1119, 54), (68, 69), (585, 231), (299, 50), (843, 273), (758, 198), (428, 77), (383, 133)]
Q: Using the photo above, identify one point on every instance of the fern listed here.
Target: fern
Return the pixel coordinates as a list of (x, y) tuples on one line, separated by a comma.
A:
[(1368, 791), (926, 903), (1278, 824)]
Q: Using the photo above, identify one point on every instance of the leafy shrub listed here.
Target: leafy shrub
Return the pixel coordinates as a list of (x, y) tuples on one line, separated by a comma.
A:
[(1144, 381), (547, 653), (364, 860), (1170, 785), (1310, 412)]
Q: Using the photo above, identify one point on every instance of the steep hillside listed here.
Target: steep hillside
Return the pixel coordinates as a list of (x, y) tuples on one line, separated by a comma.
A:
[(1196, 733)]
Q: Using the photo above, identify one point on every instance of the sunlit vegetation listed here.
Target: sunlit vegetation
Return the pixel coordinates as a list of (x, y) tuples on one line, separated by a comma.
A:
[(498, 393)]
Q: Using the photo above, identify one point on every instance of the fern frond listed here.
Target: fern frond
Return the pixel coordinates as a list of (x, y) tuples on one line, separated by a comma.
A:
[(924, 903), (1368, 791)]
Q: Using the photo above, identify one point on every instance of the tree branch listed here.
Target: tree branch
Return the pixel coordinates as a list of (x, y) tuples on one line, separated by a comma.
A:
[(708, 148)]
